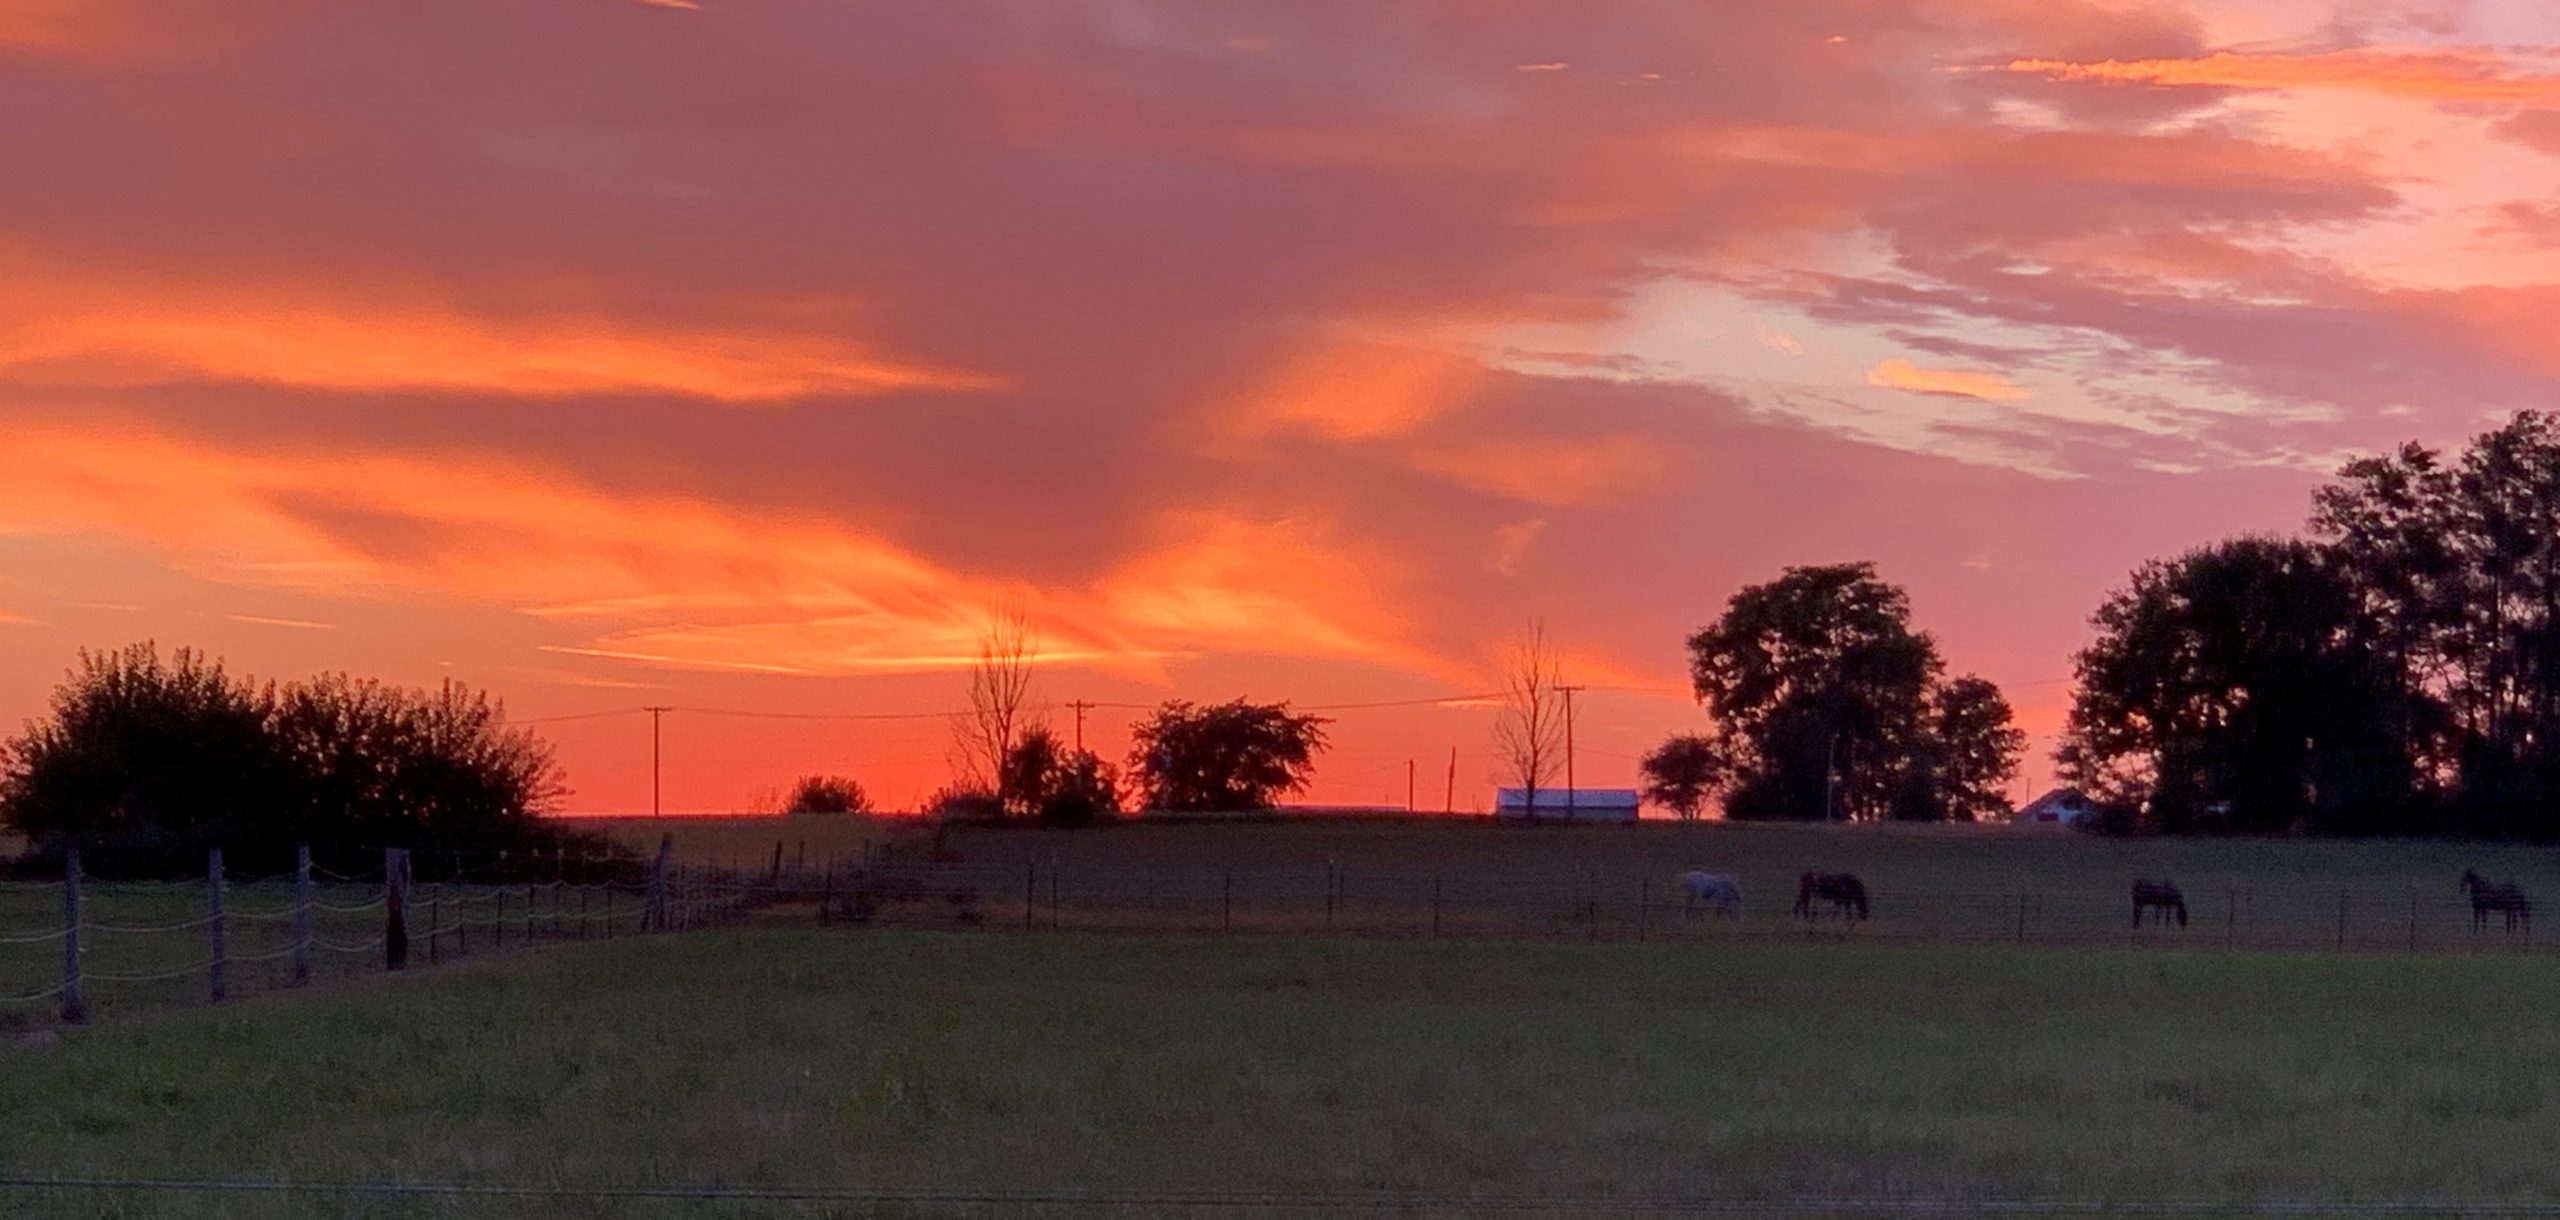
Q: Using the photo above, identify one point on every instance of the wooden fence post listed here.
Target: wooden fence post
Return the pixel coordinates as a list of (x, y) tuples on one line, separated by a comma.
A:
[(2022, 917), (2342, 917), (653, 912), (776, 874), (1435, 908), (1054, 871), (302, 915), (1030, 891), (75, 1007), (395, 908), (1227, 904), (435, 925), (218, 970), (1644, 908)]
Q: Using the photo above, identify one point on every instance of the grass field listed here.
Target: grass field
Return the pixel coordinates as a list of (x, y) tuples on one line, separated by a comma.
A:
[(917, 1060)]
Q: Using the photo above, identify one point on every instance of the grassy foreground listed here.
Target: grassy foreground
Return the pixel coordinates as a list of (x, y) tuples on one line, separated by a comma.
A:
[(914, 1059)]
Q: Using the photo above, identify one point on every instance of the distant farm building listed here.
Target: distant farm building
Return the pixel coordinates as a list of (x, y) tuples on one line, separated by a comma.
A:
[(1578, 804), (2060, 807)]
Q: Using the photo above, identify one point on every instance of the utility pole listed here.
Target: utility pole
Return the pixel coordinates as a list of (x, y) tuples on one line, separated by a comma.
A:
[(657, 722), (1081, 707), (1569, 693), (1452, 806), (1408, 785)]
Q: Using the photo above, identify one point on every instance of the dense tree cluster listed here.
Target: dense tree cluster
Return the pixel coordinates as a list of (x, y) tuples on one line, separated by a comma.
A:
[(1826, 704), (146, 760), (2398, 671), (1223, 757)]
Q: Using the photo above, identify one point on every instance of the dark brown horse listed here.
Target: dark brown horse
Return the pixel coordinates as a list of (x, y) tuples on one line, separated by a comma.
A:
[(1846, 894), (2503, 897), (2159, 896)]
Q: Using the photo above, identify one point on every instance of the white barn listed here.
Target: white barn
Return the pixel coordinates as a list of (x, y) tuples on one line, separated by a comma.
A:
[(1579, 804)]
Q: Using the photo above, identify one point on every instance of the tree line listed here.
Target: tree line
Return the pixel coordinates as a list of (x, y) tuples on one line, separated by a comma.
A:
[(146, 760), (2395, 670)]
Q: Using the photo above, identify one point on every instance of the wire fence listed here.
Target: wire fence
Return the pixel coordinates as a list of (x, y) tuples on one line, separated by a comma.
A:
[(74, 947), (1039, 894), (78, 946)]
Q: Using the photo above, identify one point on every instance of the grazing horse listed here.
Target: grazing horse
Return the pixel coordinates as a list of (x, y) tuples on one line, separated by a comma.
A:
[(1722, 891), (1846, 894), (2160, 896), (2487, 896)]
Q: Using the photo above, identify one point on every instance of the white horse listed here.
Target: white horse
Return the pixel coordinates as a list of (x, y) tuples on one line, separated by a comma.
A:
[(1723, 891)]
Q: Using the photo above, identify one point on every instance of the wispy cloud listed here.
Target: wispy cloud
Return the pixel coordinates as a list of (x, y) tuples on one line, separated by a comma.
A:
[(2433, 74), (1900, 374), (294, 624)]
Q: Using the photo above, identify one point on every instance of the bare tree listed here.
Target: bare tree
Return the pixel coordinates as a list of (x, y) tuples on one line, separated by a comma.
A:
[(1529, 735), (1000, 710)]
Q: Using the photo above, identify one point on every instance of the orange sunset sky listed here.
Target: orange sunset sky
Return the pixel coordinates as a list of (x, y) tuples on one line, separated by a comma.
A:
[(739, 355)]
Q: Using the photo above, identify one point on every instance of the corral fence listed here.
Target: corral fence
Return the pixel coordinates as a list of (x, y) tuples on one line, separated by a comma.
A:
[(1043, 893), (76, 946), (79, 945)]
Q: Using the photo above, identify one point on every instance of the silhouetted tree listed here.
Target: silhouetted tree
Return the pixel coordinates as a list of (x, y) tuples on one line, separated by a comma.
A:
[(984, 737), (1683, 774), (828, 794), (1047, 780), (1230, 756), (147, 762), (2227, 689), (1820, 687), (1973, 750), (1529, 733)]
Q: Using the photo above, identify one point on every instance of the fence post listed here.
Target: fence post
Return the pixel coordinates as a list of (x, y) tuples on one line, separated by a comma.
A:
[(653, 914), (2342, 917), (2231, 921), (218, 971), (395, 908), (435, 924), (2022, 917), (1644, 907), (1331, 884), (608, 908), (302, 915), (776, 874), (75, 1007), (582, 912), (2413, 920), (1227, 904), (1435, 908), (1030, 891), (529, 892), (498, 926)]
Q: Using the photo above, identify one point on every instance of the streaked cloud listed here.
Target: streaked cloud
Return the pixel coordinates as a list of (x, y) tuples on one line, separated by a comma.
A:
[(2432, 74), (1899, 374)]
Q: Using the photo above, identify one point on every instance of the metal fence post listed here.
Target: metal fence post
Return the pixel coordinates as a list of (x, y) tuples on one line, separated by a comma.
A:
[(218, 971), (1030, 892), (435, 925), (2022, 917), (75, 1007), (1435, 908), (302, 915), (653, 912), (1644, 907), (2342, 917), (1227, 904), (395, 908)]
